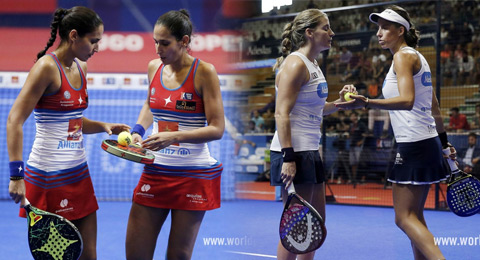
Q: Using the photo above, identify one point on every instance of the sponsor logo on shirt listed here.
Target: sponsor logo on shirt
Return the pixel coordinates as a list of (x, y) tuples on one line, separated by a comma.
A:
[(186, 105), (322, 90), (67, 95), (427, 79), (74, 129), (186, 96)]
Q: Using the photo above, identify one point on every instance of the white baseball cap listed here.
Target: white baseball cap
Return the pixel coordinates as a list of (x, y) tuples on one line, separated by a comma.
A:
[(389, 15)]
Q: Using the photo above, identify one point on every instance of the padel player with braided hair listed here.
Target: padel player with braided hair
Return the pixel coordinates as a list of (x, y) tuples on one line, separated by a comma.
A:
[(56, 176), (300, 106)]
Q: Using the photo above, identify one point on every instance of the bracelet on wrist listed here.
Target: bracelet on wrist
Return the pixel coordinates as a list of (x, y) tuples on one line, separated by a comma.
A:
[(138, 129), (16, 178), (366, 103), (288, 154), (16, 169)]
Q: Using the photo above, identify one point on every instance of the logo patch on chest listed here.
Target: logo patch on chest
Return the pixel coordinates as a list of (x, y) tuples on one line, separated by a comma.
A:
[(186, 96), (186, 105), (74, 129)]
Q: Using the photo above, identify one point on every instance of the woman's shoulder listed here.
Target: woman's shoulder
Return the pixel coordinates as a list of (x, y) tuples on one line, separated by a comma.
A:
[(45, 65), (204, 67), (154, 63), (406, 56), (293, 62)]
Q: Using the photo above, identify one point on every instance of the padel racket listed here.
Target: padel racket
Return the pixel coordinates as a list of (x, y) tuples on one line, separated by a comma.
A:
[(302, 229), (52, 237), (463, 191), (133, 152)]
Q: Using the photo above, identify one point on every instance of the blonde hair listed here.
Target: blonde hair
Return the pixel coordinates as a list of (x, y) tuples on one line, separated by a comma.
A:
[(293, 36)]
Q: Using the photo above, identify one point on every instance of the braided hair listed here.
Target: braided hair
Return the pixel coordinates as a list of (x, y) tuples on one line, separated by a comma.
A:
[(82, 19), (293, 36)]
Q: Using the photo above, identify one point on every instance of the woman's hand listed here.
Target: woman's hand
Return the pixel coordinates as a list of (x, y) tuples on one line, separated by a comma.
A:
[(114, 128), (289, 169), (346, 89), (159, 141), (17, 190), (358, 101)]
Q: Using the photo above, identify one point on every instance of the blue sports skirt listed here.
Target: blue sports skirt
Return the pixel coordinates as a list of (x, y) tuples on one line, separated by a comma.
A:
[(310, 168), (419, 163)]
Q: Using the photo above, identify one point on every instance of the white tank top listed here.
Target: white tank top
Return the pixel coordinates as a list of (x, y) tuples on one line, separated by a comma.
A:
[(307, 113), (416, 124), (58, 141)]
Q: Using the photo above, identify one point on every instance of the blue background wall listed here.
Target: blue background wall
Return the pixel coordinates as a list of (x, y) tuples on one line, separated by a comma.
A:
[(118, 15)]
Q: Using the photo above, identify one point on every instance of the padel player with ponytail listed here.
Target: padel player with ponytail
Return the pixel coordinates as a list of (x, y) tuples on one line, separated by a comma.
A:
[(184, 104), (417, 125)]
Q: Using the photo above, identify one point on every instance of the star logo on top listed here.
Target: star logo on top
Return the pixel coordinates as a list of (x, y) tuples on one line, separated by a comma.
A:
[(168, 100)]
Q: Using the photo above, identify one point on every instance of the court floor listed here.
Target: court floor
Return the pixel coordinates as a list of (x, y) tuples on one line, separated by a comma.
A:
[(248, 229)]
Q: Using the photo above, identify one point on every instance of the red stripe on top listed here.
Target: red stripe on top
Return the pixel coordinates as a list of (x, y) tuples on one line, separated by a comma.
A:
[(67, 98)]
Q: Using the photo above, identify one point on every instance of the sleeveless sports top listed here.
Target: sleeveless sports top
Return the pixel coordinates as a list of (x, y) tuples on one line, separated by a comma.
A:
[(307, 113), (58, 118), (416, 124), (179, 109)]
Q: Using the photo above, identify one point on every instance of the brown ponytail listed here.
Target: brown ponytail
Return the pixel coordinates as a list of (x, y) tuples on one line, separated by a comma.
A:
[(411, 36)]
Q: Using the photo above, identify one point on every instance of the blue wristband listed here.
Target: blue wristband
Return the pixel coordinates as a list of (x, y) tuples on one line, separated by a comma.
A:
[(16, 169), (138, 128)]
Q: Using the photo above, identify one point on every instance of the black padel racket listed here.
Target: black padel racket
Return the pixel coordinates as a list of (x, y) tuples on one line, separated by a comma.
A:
[(463, 191), (302, 229), (52, 237), (133, 152)]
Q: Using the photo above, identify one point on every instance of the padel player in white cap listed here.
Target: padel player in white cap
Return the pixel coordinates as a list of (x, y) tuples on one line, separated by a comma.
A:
[(417, 125)]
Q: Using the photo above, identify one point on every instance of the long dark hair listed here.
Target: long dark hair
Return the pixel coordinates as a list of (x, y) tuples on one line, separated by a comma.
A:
[(80, 18), (411, 36)]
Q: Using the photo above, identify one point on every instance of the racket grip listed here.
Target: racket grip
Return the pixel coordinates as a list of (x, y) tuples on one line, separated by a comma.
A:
[(451, 163), (291, 189), (26, 202), (446, 151)]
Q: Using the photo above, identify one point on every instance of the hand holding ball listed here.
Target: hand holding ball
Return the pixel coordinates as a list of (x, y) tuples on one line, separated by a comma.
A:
[(347, 96), (125, 138)]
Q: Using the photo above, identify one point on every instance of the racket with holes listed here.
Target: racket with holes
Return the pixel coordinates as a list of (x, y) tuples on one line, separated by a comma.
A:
[(463, 192), (133, 152), (302, 229), (52, 237)]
